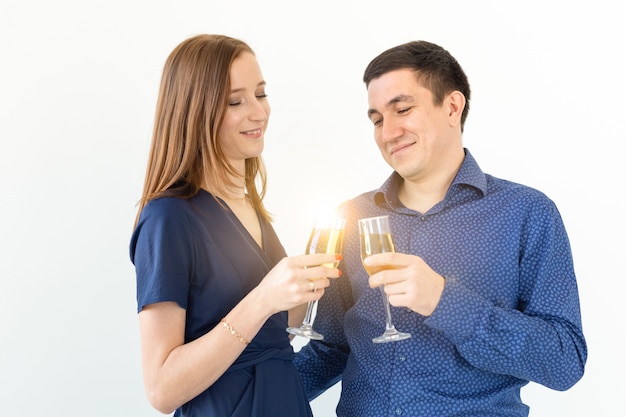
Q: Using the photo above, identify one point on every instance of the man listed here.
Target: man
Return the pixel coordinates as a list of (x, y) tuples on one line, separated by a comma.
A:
[(482, 277)]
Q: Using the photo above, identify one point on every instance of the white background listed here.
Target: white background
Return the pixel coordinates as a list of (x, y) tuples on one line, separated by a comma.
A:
[(78, 85)]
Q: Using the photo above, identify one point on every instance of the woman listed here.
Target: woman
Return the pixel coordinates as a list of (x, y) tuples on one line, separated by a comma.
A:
[(213, 282)]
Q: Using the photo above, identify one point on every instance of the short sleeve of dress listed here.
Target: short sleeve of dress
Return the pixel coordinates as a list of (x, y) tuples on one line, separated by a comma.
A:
[(162, 251)]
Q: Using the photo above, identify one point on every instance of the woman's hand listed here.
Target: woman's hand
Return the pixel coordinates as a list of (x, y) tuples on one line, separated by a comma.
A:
[(296, 280)]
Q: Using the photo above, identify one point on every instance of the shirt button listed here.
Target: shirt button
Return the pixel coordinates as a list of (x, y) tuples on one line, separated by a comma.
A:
[(401, 358), (423, 218), (398, 411)]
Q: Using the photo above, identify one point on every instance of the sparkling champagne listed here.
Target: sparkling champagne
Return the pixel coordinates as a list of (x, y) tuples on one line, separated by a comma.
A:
[(374, 243), (325, 241)]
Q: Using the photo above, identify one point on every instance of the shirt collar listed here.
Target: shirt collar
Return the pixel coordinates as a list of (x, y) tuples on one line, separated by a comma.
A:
[(469, 174)]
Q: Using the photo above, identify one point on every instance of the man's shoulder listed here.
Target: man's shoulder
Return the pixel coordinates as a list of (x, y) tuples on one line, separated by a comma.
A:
[(518, 194)]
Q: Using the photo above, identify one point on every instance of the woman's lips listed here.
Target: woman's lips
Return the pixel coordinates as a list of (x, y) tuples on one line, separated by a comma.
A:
[(253, 132)]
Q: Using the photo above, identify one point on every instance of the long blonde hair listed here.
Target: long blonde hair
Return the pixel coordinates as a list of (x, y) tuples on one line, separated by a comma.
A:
[(192, 101)]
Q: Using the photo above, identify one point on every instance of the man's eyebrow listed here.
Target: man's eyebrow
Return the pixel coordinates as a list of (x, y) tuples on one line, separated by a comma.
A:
[(370, 112), (397, 99)]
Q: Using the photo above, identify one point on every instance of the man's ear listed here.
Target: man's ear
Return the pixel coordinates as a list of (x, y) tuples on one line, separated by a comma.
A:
[(456, 103)]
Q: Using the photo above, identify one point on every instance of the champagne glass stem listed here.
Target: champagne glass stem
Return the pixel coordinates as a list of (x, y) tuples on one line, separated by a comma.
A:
[(309, 312), (388, 324), (306, 328)]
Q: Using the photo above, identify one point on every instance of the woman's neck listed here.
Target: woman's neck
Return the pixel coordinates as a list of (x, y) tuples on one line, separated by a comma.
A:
[(235, 190)]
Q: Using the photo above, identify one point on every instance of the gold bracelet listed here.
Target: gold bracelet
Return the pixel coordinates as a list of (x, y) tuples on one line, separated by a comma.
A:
[(234, 332)]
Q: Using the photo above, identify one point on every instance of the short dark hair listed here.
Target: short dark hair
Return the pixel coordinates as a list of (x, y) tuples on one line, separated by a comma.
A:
[(434, 68)]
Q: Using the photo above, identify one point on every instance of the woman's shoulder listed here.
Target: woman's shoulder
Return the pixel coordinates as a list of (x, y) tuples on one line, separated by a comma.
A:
[(170, 209), (175, 210), (171, 218), (168, 205)]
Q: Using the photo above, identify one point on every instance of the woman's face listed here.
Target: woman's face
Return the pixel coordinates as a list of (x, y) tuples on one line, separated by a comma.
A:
[(247, 114)]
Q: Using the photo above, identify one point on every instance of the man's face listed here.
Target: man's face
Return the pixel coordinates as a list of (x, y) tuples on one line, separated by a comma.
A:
[(413, 134)]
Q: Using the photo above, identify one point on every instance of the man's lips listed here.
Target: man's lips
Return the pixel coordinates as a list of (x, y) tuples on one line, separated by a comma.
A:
[(399, 148)]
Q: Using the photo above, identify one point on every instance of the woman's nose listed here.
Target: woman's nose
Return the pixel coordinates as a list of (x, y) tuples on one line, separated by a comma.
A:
[(259, 110)]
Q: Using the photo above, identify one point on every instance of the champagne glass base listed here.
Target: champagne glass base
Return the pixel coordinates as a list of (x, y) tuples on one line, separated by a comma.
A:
[(391, 335), (307, 332)]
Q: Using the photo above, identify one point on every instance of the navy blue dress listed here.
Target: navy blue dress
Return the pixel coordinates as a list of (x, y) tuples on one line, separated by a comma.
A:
[(196, 253)]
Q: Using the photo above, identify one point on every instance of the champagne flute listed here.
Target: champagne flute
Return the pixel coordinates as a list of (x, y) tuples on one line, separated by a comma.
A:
[(375, 237), (326, 237)]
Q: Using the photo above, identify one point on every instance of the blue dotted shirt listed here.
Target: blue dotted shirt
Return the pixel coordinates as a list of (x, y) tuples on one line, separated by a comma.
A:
[(509, 312)]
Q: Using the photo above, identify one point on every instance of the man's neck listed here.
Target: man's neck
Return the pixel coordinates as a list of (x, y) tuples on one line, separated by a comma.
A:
[(423, 193)]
